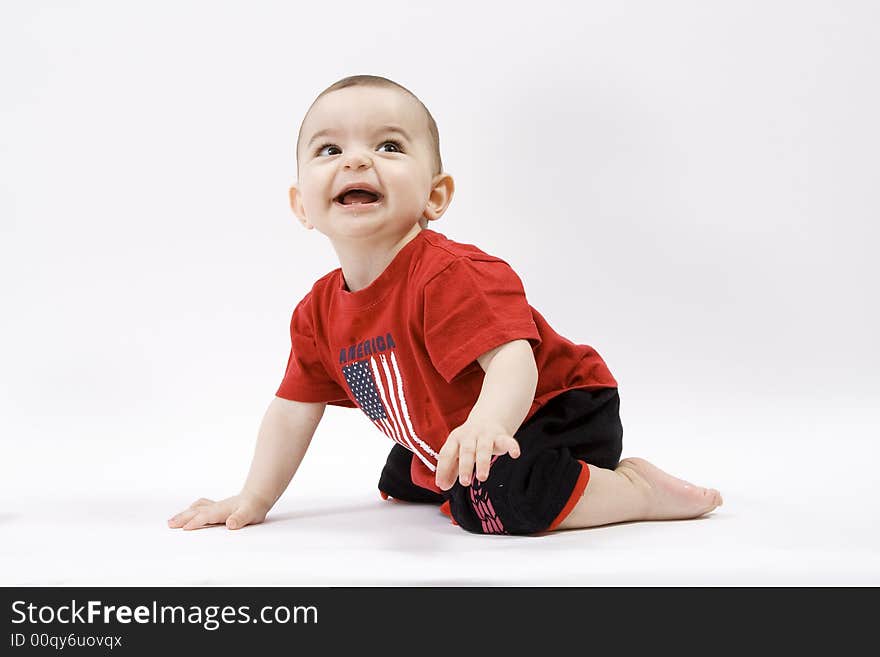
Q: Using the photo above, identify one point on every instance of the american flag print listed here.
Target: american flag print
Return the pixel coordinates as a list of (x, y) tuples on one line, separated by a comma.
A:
[(377, 386)]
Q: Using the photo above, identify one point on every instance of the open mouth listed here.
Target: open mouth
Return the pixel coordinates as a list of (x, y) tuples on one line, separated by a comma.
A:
[(355, 197)]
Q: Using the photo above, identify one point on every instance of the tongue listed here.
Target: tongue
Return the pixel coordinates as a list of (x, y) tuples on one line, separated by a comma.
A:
[(358, 197)]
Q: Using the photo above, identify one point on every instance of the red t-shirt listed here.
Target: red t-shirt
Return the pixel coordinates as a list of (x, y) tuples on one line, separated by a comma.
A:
[(404, 349)]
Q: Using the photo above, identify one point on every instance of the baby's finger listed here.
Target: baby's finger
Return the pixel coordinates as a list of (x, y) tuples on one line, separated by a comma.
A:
[(195, 522), (447, 460), (202, 519), (506, 445), (236, 521), (242, 516), (182, 518), (202, 501), (467, 454), (218, 513), (484, 459)]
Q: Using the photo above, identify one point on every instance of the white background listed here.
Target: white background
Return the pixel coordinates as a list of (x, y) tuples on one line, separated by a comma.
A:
[(689, 187)]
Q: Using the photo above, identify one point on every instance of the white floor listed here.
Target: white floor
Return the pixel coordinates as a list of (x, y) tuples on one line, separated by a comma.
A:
[(87, 506)]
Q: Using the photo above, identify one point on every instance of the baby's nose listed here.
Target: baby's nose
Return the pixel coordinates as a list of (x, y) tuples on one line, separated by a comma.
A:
[(357, 159)]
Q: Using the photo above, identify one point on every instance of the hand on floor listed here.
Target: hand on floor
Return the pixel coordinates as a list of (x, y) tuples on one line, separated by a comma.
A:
[(235, 512)]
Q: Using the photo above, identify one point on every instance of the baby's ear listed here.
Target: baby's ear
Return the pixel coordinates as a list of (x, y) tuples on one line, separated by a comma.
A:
[(297, 206), (442, 189)]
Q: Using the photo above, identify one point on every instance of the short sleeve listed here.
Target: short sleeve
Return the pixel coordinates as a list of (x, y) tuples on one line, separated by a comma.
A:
[(306, 379), (471, 307)]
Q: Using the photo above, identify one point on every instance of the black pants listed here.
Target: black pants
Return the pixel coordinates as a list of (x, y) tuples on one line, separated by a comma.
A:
[(526, 495)]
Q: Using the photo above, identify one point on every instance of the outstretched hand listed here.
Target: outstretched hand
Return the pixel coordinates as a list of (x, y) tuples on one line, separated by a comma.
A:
[(235, 512), (474, 442)]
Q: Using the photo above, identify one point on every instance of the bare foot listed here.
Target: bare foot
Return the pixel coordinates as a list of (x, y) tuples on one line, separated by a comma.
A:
[(668, 498)]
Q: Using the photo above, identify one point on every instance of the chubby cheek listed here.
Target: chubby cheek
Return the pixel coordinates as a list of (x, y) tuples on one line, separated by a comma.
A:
[(315, 191), (316, 202), (410, 194)]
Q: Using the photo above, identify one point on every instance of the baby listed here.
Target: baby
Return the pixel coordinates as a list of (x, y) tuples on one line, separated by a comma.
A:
[(504, 423)]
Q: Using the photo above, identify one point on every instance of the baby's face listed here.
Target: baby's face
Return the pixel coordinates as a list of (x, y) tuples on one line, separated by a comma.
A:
[(372, 138)]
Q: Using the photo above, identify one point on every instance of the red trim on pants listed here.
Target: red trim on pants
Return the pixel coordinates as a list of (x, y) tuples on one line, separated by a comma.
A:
[(447, 511), (576, 493)]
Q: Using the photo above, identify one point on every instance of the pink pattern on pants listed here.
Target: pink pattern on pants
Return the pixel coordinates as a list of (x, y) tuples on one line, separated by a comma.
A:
[(482, 505)]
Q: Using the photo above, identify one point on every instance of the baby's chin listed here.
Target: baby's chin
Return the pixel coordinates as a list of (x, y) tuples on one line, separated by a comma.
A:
[(374, 219), (378, 233)]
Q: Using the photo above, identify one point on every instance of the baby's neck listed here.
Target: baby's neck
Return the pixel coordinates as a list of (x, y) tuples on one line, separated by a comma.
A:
[(361, 265)]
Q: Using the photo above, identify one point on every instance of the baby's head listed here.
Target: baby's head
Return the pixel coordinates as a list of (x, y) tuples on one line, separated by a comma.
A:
[(368, 131)]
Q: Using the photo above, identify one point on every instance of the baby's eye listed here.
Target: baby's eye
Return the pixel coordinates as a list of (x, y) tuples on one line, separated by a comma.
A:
[(396, 145), (321, 148)]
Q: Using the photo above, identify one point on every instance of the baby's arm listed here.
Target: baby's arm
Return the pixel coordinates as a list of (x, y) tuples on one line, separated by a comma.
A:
[(505, 398), (284, 437)]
